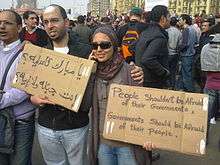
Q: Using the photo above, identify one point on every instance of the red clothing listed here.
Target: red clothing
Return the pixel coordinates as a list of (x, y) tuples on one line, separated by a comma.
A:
[(213, 80), (31, 37)]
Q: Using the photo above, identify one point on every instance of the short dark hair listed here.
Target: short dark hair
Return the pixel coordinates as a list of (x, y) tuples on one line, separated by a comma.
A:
[(157, 12), (18, 18), (81, 19), (173, 21), (28, 13), (61, 9), (187, 18)]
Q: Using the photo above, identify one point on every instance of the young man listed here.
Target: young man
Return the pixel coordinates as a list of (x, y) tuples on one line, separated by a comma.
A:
[(175, 37), (152, 51), (187, 52), (63, 133), (31, 32), (10, 26)]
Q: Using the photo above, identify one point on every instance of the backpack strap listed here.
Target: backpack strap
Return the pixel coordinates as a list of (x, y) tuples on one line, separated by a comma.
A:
[(8, 67)]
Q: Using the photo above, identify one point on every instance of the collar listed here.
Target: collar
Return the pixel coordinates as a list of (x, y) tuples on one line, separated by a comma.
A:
[(10, 46), (32, 31)]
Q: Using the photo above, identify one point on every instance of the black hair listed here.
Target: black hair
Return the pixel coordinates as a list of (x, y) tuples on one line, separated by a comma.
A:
[(187, 18), (28, 13), (157, 12), (173, 21), (61, 9), (81, 19), (18, 18)]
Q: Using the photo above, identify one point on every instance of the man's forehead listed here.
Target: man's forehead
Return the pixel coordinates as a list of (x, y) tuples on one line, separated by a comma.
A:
[(51, 9), (7, 15)]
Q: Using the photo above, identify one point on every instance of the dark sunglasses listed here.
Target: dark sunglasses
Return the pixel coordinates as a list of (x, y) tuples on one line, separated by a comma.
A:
[(103, 45)]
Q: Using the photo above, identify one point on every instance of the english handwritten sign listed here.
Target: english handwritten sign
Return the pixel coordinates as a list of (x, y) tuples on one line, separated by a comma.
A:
[(172, 120), (62, 78)]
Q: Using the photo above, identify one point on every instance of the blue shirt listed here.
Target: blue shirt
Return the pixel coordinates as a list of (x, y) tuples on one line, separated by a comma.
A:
[(16, 98)]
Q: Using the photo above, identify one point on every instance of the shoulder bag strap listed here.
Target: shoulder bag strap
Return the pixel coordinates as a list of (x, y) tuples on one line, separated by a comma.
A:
[(8, 67)]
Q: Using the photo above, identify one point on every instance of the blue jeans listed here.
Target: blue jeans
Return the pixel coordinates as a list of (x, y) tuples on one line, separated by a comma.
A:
[(24, 135), (186, 76), (108, 155), (64, 147)]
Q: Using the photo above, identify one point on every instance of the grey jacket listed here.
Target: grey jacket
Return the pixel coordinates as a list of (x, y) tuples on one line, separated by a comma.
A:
[(175, 38), (210, 55)]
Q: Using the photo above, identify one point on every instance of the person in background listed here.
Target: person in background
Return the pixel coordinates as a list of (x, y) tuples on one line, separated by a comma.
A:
[(152, 51), (111, 69), (187, 53), (83, 30), (199, 76), (210, 64), (31, 32), (129, 34), (175, 38), (10, 26)]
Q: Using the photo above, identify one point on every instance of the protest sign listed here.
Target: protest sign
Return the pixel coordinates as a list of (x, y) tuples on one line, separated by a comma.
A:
[(172, 120), (60, 77)]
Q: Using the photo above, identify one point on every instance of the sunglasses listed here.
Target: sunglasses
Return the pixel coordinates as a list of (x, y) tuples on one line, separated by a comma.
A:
[(103, 45)]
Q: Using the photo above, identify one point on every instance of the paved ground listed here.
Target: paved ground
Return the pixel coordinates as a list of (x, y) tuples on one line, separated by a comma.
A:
[(170, 158)]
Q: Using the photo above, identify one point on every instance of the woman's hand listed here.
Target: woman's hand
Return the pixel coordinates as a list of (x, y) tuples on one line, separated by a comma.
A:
[(92, 56), (149, 146)]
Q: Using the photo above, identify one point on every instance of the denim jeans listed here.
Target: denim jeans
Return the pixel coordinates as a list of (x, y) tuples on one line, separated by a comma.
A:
[(24, 135), (64, 147), (214, 102), (173, 61), (186, 76), (109, 155)]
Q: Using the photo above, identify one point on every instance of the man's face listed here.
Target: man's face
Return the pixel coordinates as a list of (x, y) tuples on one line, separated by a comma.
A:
[(205, 26), (181, 22), (165, 21), (54, 23), (9, 30), (32, 21)]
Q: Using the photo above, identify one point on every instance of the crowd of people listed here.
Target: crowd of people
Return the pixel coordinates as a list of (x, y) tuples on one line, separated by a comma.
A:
[(150, 49)]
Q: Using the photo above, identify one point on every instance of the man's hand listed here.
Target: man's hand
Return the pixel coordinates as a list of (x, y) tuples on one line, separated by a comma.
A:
[(40, 101), (149, 146), (137, 73)]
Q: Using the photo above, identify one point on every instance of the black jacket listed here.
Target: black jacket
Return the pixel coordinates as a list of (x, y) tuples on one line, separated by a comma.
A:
[(59, 118), (151, 54)]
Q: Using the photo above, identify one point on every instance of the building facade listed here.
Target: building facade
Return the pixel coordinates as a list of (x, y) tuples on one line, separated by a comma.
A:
[(124, 6), (194, 6), (100, 7)]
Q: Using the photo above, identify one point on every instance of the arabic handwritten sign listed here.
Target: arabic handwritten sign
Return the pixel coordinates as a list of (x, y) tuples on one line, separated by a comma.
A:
[(62, 78), (172, 120)]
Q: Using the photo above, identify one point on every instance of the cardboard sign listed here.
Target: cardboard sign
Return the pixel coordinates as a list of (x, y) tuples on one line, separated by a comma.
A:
[(172, 120), (62, 78)]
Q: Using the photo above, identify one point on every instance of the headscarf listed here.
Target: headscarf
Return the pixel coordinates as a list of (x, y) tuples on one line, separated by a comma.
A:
[(108, 69)]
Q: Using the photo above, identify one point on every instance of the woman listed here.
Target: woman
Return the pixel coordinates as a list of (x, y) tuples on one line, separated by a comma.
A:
[(111, 69)]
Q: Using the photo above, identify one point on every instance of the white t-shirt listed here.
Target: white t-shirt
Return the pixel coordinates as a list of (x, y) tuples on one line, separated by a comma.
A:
[(61, 50)]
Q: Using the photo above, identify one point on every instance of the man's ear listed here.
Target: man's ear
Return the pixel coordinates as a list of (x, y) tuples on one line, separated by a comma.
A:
[(67, 22), (19, 28)]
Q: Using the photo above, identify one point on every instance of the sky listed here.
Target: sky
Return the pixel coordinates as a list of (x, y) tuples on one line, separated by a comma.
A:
[(77, 6)]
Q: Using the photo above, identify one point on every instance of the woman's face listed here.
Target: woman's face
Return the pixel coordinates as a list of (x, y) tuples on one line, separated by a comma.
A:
[(102, 47)]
